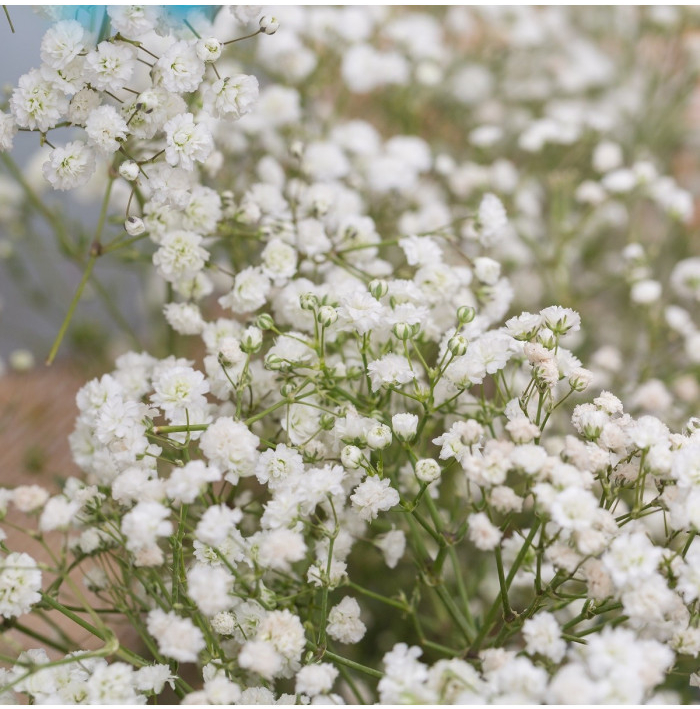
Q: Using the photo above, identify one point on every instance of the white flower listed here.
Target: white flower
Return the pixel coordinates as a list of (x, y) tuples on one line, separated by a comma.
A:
[(152, 678), (487, 270), (36, 103), (631, 558), (344, 624), (391, 369), (543, 636), (315, 679), (560, 320), (27, 498), (187, 142), (209, 49), (482, 533), (82, 104), (20, 583), (250, 289), (185, 318), (492, 219), (392, 545), (106, 129), (69, 167), (217, 524), (58, 513), (177, 638), (285, 633), (111, 684), (234, 96), (181, 70), (186, 483), (8, 130), (279, 548), (261, 657), (109, 67), (229, 445), (360, 311), (277, 464), (685, 278), (209, 587), (180, 255), (144, 524), (421, 250), (574, 509), (374, 495), (179, 388), (134, 20), (62, 43), (461, 436), (279, 261)]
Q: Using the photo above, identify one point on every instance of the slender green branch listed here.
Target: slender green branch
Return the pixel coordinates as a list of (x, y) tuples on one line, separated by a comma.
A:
[(9, 19)]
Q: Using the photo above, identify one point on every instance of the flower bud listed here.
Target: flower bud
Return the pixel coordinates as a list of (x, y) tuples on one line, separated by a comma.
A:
[(209, 49), (458, 345), (296, 149), (251, 340), (274, 362), (265, 321), (327, 421), (465, 314), (327, 315), (402, 330), (269, 24), (308, 301), (379, 436), (134, 226), (378, 288), (287, 389), (351, 457), (427, 470), (129, 170)]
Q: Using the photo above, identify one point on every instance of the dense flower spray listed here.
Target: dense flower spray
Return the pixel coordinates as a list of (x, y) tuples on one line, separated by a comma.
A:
[(378, 365)]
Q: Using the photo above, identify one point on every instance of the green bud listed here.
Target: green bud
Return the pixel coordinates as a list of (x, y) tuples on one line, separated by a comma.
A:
[(402, 330), (327, 315), (274, 362), (378, 288), (465, 314), (327, 422), (265, 321), (308, 301)]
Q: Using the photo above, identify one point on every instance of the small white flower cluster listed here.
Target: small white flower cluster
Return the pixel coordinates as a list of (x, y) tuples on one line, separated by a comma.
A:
[(83, 678)]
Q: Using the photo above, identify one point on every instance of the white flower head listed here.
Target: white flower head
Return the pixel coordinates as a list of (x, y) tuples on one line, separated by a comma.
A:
[(69, 167), (187, 142)]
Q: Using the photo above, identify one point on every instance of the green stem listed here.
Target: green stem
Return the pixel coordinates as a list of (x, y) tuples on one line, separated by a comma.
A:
[(7, 14), (71, 309), (353, 665)]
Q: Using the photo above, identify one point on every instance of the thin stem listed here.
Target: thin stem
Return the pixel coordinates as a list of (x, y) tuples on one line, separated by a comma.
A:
[(71, 310), (353, 665), (9, 20), (240, 39)]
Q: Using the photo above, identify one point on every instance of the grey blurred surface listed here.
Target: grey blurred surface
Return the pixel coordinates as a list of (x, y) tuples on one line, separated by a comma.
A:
[(37, 284)]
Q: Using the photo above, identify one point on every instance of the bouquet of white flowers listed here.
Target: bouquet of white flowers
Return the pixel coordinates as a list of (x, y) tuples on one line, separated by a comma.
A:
[(371, 466)]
